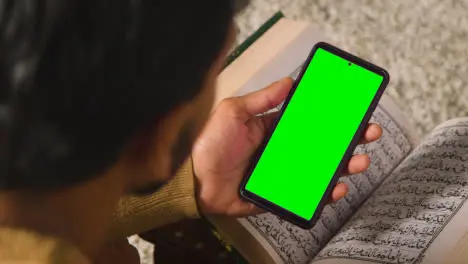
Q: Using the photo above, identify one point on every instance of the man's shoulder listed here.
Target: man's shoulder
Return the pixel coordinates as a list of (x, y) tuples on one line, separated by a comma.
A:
[(23, 246)]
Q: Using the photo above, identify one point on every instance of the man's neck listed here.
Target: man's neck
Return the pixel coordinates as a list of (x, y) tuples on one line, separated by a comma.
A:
[(79, 215)]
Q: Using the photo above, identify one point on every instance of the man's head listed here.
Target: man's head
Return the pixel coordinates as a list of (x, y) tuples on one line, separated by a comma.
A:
[(86, 85)]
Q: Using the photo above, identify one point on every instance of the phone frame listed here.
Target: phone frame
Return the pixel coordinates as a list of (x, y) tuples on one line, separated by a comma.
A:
[(282, 212)]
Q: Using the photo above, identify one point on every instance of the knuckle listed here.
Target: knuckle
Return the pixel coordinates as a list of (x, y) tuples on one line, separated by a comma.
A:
[(228, 102), (229, 105)]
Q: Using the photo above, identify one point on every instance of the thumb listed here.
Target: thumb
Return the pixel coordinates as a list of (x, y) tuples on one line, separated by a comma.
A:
[(261, 101)]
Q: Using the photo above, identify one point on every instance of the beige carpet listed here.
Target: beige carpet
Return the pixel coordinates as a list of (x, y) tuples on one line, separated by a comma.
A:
[(424, 45)]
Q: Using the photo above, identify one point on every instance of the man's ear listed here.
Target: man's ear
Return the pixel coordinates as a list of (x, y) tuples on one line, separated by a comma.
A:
[(147, 157)]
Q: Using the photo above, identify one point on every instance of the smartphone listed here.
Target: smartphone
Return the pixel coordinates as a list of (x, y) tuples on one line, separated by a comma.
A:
[(319, 126)]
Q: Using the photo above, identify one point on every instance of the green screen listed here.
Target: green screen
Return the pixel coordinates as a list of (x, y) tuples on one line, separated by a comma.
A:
[(313, 134)]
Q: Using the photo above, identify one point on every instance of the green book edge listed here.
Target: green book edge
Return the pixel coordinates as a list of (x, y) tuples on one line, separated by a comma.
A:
[(252, 38), (232, 57)]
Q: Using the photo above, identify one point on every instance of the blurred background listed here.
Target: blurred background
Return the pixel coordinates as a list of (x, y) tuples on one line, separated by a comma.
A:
[(423, 44)]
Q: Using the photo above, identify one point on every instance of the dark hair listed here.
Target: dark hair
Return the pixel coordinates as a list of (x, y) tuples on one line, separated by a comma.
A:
[(79, 78)]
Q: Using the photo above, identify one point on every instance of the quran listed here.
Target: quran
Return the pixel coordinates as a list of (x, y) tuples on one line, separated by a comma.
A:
[(409, 207)]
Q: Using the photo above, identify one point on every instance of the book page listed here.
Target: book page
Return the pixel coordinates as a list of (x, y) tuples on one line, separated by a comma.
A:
[(419, 214), (292, 244), (284, 46)]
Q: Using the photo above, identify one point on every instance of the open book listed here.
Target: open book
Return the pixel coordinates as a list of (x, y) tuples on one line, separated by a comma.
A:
[(409, 207)]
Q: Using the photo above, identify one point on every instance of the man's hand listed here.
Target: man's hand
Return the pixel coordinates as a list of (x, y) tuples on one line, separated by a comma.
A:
[(224, 149)]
